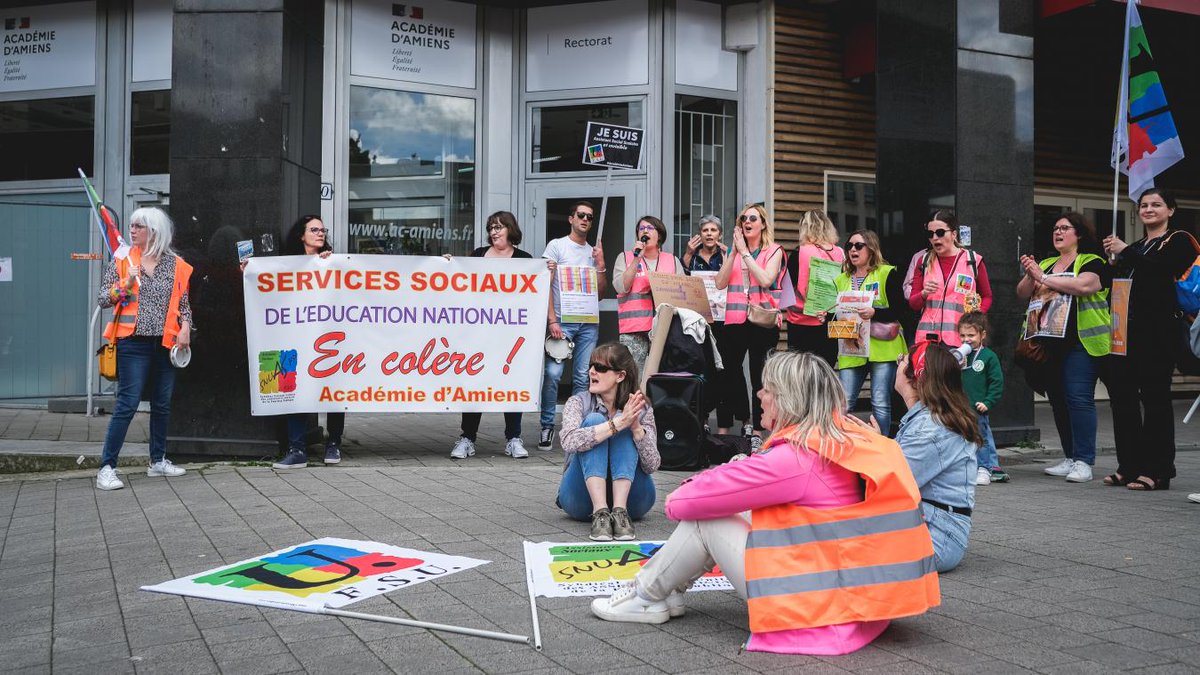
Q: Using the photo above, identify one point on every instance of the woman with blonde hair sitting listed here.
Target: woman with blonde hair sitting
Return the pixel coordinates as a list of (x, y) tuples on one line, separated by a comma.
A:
[(834, 545)]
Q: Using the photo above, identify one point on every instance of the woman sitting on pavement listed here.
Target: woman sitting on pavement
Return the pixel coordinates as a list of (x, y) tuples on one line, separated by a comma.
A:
[(834, 546), (940, 438), (611, 447)]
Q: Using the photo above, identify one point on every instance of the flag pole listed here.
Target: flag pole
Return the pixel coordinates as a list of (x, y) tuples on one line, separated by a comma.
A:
[(1121, 123), (473, 632)]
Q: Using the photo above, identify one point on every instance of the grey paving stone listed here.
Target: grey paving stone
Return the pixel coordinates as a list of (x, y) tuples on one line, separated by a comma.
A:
[(24, 651)]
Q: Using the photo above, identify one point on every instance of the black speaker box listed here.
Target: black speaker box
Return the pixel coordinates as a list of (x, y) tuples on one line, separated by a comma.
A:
[(677, 401)]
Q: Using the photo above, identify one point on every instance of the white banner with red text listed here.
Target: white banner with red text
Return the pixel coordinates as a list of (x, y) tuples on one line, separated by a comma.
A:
[(380, 333)]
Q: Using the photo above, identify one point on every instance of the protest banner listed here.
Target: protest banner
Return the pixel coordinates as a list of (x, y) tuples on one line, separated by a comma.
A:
[(821, 294), (367, 333), (579, 299), (612, 146), (1119, 306), (846, 311), (587, 569), (680, 291), (716, 296), (1048, 311)]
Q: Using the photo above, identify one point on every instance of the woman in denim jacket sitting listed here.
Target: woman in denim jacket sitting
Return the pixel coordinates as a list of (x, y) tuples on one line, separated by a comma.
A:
[(939, 436)]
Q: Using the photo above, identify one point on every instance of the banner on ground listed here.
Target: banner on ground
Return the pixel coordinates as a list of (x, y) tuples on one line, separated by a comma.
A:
[(366, 333), (328, 572), (586, 569)]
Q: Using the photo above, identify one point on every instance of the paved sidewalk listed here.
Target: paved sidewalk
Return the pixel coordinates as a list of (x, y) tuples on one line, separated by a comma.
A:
[(1060, 578)]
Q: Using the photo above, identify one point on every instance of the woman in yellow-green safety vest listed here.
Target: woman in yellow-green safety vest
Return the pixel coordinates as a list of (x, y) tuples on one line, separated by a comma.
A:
[(1078, 271)]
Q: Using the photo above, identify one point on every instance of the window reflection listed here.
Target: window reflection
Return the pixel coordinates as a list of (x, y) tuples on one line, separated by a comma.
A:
[(559, 132), (412, 173), (851, 204), (150, 132)]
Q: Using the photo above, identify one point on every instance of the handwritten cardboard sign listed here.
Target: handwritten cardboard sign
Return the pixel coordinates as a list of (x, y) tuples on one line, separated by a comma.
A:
[(681, 291)]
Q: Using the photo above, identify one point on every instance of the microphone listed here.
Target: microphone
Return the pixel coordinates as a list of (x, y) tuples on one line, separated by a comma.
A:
[(637, 252)]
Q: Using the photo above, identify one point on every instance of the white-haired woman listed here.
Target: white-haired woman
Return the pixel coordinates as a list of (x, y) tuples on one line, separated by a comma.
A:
[(148, 294), (812, 527)]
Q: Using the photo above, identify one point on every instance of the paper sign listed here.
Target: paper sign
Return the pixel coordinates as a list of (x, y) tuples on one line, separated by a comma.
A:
[(327, 572), (821, 294), (680, 291), (612, 146), (586, 569), (394, 333), (848, 304), (245, 250), (1048, 312), (1118, 299), (5, 269), (579, 299), (716, 296)]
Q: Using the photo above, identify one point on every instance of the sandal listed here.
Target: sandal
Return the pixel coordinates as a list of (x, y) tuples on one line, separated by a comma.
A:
[(1145, 484), (1115, 480)]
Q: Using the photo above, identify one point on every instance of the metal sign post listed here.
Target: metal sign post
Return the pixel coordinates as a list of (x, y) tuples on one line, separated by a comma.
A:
[(615, 147)]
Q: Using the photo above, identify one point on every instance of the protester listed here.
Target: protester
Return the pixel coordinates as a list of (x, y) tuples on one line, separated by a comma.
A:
[(818, 239), (751, 277), (940, 437), (309, 236), (983, 383), (503, 236), (1074, 360), (148, 290), (1142, 378), (611, 448), (866, 270), (811, 529), (706, 253), (948, 283), (572, 250), (635, 306)]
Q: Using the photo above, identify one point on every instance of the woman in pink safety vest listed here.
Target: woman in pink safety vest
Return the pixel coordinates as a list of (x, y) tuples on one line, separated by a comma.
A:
[(635, 305), (818, 239), (949, 282), (751, 276)]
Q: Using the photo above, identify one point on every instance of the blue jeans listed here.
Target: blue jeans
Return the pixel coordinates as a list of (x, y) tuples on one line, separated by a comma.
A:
[(986, 455), (584, 335), (1073, 399), (949, 532), (613, 459), (143, 366), (297, 428), (883, 379)]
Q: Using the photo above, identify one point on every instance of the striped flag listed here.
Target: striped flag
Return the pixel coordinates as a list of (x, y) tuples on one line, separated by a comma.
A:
[(1145, 141), (106, 220)]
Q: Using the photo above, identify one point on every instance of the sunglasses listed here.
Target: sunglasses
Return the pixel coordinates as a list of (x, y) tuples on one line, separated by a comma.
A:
[(751, 218), (317, 230), (584, 216), (938, 233), (601, 367), (856, 245)]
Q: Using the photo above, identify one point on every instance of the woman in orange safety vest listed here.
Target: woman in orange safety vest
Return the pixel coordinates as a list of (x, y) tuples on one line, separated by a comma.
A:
[(835, 546), (148, 293)]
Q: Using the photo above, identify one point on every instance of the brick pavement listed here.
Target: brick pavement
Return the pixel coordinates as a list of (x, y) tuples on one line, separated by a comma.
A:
[(1059, 578)]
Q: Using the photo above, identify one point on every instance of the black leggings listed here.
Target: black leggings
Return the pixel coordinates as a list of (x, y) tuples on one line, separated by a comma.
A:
[(813, 339), (736, 341)]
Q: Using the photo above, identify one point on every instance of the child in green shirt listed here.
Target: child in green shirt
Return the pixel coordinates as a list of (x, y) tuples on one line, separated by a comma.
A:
[(983, 382)]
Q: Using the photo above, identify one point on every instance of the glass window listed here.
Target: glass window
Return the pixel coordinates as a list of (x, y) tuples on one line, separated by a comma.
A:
[(150, 132), (705, 165), (559, 131), (412, 173), (851, 204), (48, 138)]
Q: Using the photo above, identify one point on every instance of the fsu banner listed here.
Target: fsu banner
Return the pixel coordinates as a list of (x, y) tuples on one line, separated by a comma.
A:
[(366, 333)]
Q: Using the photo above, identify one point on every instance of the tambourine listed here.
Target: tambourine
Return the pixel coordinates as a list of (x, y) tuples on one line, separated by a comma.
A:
[(559, 349), (181, 356)]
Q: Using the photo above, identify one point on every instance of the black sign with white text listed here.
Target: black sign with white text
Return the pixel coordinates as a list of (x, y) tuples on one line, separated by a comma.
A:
[(613, 146)]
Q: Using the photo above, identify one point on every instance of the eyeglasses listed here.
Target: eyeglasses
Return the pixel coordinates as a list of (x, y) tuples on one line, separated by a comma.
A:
[(938, 233), (495, 227), (856, 245), (601, 367), (748, 218), (584, 216), (1063, 228), (317, 230)]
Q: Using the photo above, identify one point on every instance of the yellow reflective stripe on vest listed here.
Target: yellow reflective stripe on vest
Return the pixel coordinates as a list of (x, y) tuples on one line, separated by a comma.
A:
[(842, 529), (841, 578)]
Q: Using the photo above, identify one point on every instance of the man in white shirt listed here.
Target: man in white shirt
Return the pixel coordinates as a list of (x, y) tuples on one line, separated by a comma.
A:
[(572, 250)]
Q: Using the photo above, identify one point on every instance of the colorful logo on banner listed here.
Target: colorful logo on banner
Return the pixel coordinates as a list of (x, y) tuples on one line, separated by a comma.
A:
[(562, 570), (578, 279), (308, 569), (277, 371)]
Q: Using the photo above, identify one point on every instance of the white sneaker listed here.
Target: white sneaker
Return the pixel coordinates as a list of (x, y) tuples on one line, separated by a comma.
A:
[(983, 477), (516, 449), (463, 449), (164, 467), (675, 606), (1080, 473), (1194, 497), (626, 606), (1061, 469), (107, 479)]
